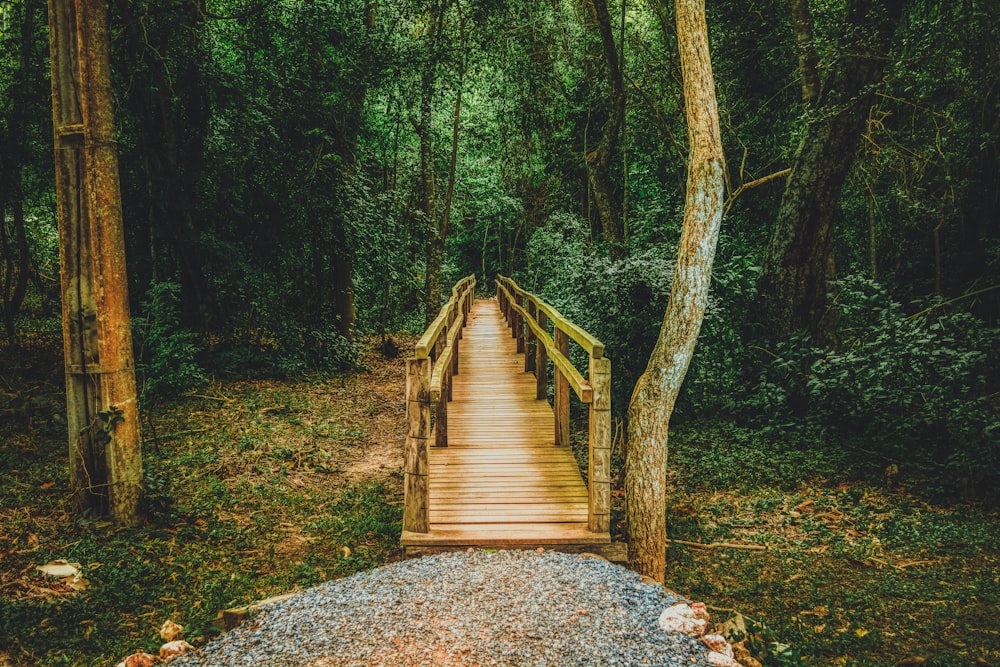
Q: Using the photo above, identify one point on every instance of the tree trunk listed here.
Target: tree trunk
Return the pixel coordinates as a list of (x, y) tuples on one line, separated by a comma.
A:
[(799, 263), (808, 59), (172, 111), (14, 241), (656, 391), (105, 454), (433, 253), (599, 158)]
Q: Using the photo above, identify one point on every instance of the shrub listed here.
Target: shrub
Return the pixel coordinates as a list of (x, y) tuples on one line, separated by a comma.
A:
[(917, 388), (166, 352)]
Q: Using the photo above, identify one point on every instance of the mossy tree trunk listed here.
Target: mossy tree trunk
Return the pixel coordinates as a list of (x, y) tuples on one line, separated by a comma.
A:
[(799, 263)]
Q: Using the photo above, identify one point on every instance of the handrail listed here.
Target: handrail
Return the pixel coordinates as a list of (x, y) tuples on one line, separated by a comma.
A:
[(430, 336), (576, 380), (428, 382), (524, 308), (591, 345)]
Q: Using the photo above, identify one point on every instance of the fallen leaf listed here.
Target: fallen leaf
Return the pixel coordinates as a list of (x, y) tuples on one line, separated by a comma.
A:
[(861, 632), (48, 485), (347, 551)]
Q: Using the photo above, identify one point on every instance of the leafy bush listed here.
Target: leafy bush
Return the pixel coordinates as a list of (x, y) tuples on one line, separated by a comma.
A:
[(622, 303), (619, 302), (286, 348), (166, 356), (918, 388)]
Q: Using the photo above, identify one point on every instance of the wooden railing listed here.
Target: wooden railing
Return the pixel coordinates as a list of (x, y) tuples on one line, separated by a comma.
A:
[(428, 382), (529, 318)]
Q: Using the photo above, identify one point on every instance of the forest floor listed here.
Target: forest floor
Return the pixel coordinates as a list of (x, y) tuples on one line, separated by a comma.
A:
[(259, 487)]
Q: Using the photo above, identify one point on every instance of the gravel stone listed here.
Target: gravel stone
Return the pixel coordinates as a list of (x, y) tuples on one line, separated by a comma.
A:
[(482, 608)]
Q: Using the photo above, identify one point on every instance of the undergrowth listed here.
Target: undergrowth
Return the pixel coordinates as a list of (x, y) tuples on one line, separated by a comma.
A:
[(256, 489)]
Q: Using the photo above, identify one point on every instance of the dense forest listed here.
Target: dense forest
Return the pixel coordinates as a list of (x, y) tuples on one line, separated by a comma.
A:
[(302, 181)]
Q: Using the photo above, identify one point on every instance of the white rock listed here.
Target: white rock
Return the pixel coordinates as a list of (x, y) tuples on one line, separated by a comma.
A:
[(718, 644), (681, 618), (174, 649), (717, 659)]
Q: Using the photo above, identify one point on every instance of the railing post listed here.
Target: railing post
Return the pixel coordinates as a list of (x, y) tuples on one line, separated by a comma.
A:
[(441, 413), (560, 391), (418, 424), (541, 362), (530, 340), (599, 505), (519, 325)]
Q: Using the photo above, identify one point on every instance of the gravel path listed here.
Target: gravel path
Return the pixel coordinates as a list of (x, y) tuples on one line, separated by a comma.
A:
[(517, 608)]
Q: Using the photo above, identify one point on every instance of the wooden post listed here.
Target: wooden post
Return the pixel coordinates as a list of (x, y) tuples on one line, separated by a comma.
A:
[(518, 326), (418, 424), (530, 341), (105, 466), (541, 362), (441, 414), (560, 392), (599, 487)]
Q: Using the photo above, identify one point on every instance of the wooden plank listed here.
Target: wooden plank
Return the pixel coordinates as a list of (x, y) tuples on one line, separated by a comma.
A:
[(511, 534)]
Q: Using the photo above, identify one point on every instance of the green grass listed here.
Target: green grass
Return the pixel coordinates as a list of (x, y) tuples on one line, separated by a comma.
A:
[(855, 572), (244, 502)]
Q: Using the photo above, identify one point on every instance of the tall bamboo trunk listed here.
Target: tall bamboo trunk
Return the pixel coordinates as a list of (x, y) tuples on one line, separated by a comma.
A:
[(104, 443)]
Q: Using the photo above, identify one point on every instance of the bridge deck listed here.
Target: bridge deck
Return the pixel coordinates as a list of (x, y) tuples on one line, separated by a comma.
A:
[(501, 481)]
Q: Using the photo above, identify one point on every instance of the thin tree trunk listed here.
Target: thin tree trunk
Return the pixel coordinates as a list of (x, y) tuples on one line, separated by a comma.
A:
[(799, 263), (17, 255), (808, 59), (455, 129), (599, 158), (433, 251), (105, 454), (656, 391)]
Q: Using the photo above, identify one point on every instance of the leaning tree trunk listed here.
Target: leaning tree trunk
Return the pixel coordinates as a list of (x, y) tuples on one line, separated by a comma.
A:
[(599, 158), (656, 392), (799, 263), (105, 454)]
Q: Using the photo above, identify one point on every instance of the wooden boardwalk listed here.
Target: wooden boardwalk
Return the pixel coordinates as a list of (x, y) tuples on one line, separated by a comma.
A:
[(501, 481)]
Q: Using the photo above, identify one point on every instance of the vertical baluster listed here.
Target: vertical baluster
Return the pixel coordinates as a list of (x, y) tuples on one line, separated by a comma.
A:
[(541, 361), (530, 339), (560, 391), (441, 413)]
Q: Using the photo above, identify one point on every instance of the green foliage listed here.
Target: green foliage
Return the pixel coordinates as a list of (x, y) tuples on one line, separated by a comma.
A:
[(619, 302), (919, 388), (166, 352)]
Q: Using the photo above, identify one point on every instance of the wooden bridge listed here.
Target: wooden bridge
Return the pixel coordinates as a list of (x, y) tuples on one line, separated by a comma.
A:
[(488, 461)]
